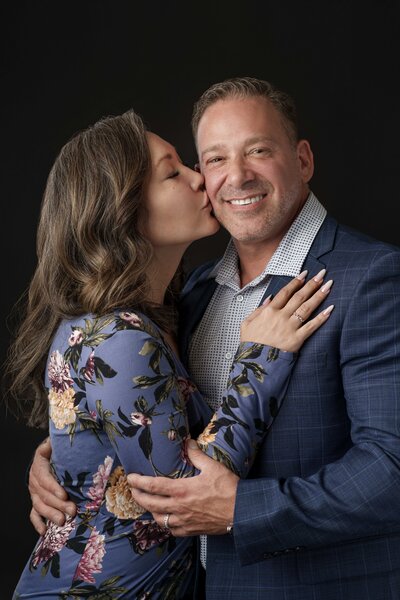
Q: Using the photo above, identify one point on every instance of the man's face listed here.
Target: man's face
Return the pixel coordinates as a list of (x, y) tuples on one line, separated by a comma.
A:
[(256, 176)]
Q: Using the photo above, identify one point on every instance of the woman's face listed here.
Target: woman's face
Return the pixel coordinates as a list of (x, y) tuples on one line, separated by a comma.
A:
[(178, 209)]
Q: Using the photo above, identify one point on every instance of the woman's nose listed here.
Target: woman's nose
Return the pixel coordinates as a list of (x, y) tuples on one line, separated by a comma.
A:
[(197, 181)]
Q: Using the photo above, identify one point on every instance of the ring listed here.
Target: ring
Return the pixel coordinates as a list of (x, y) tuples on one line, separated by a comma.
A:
[(166, 520), (299, 317)]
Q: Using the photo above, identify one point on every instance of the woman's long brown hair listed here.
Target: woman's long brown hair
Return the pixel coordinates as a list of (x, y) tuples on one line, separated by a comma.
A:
[(92, 256)]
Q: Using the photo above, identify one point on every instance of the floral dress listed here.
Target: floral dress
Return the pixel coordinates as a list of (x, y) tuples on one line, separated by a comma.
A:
[(120, 401)]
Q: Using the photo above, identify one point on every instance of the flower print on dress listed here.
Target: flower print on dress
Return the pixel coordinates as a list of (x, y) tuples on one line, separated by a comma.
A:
[(51, 542), (88, 369), (59, 373), (92, 558), (186, 387), (171, 435), (142, 419), (61, 394), (147, 534), (62, 411), (100, 478), (75, 338), (208, 435), (119, 499), (131, 318), (184, 456)]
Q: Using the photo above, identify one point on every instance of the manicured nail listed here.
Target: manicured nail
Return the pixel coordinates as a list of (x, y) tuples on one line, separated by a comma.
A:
[(327, 286), (328, 310), (319, 276), (268, 299), (302, 275)]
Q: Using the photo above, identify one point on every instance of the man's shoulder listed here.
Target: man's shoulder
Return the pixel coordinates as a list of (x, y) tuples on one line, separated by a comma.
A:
[(339, 237), (199, 274)]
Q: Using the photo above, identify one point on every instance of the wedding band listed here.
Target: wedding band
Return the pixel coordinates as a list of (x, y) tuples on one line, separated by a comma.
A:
[(299, 317), (166, 520)]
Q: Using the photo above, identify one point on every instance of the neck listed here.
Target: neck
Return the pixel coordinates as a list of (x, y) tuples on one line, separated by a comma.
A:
[(253, 257), (162, 269)]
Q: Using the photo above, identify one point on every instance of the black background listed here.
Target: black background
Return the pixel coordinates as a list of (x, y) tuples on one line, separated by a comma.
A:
[(66, 64)]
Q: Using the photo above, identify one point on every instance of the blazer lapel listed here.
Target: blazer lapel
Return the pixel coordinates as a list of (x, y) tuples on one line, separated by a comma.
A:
[(322, 244)]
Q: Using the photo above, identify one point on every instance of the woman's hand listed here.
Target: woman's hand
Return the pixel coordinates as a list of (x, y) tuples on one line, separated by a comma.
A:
[(283, 321)]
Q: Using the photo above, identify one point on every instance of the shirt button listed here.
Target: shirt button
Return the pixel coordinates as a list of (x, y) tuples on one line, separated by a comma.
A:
[(239, 298), (228, 355)]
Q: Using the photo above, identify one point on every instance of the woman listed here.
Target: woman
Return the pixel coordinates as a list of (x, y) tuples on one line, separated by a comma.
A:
[(118, 213)]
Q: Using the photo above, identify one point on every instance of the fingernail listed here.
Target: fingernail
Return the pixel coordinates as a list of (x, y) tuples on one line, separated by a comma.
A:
[(319, 276), (327, 286), (328, 310), (268, 299), (71, 511), (302, 275)]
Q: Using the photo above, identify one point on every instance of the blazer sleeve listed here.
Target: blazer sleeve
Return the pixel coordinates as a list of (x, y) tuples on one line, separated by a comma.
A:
[(358, 495)]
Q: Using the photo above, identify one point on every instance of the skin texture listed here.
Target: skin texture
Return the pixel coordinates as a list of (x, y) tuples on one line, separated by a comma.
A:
[(245, 152), (178, 208)]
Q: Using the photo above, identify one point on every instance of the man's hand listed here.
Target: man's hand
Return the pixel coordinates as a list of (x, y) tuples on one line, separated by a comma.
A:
[(49, 499), (195, 505)]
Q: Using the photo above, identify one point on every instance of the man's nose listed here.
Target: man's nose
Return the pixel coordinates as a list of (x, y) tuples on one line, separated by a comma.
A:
[(238, 172)]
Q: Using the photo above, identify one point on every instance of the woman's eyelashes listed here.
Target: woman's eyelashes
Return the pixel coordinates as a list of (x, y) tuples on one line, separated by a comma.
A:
[(176, 172)]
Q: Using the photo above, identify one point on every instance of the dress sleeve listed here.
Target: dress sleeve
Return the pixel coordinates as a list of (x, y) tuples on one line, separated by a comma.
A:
[(143, 410), (256, 387)]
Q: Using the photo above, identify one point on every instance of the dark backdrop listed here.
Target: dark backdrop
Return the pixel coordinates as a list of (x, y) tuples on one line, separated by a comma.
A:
[(66, 64)]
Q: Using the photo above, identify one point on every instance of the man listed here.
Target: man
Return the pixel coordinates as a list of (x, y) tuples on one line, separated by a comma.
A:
[(318, 516)]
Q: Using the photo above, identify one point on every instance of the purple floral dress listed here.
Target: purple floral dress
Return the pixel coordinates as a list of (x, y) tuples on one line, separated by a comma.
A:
[(120, 401)]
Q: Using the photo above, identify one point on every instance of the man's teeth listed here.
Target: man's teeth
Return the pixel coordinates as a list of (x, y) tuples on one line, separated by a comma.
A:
[(245, 201)]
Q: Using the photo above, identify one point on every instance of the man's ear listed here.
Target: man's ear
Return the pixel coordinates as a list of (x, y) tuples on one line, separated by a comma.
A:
[(306, 159)]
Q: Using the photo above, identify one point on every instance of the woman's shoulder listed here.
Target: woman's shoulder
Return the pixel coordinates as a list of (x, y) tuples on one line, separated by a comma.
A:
[(94, 330)]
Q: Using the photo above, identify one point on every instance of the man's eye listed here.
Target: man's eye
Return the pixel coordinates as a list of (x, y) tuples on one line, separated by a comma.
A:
[(174, 174), (260, 151), (214, 160)]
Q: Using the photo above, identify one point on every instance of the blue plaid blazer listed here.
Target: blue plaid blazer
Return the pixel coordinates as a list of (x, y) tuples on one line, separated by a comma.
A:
[(318, 518)]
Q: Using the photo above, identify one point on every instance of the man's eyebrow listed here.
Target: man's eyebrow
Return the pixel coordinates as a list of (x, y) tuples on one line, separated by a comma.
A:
[(213, 148), (253, 140)]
